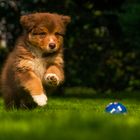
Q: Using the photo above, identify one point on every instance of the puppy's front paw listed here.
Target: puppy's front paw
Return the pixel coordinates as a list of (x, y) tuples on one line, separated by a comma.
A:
[(41, 99), (52, 79)]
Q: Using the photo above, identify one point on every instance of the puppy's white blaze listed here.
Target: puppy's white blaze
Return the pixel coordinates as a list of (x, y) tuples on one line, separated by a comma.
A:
[(51, 40), (41, 99)]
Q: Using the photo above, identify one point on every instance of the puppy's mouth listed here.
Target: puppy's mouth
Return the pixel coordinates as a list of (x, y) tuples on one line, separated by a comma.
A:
[(50, 50), (48, 54)]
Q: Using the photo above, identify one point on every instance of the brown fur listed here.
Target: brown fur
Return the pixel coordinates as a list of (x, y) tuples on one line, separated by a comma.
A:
[(32, 59)]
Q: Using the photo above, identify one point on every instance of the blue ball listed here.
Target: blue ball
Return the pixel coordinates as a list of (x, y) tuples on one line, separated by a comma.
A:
[(115, 108)]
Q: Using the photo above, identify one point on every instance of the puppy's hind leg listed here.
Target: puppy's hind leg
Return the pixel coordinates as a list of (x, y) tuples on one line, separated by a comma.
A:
[(9, 100)]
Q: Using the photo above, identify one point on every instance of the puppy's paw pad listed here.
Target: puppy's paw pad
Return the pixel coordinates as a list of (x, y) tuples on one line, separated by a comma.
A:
[(52, 79), (41, 99)]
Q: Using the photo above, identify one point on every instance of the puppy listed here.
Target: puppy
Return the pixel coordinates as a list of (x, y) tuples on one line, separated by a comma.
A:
[(36, 60)]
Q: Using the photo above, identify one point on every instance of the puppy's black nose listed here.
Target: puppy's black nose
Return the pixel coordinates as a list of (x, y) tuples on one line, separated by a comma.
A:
[(52, 45)]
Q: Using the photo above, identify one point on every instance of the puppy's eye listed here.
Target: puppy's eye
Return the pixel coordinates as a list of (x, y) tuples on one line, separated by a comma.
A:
[(42, 33), (59, 34), (34, 33)]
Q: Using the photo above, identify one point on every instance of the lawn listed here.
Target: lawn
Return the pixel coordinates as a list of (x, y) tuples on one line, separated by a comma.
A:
[(73, 118)]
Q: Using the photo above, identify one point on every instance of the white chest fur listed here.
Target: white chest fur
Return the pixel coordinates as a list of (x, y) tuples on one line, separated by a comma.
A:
[(39, 66)]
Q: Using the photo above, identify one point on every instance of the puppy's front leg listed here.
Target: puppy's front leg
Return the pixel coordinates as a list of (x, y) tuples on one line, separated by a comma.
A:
[(30, 82), (54, 75)]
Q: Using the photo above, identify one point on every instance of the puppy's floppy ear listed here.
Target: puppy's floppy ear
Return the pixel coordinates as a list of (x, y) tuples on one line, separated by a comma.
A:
[(27, 22), (66, 19)]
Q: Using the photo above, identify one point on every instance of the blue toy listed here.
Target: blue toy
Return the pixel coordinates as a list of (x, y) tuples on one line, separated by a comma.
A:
[(115, 108)]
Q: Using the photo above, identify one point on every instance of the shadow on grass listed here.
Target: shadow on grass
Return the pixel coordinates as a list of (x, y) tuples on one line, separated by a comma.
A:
[(84, 92)]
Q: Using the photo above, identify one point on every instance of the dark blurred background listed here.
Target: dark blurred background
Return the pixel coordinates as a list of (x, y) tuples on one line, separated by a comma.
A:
[(102, 48)]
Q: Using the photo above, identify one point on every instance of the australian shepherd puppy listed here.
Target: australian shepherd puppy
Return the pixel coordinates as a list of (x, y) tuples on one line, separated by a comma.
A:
[(36, 60)]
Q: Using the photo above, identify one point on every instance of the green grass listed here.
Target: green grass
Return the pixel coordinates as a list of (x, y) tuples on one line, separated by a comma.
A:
[(73, 118)]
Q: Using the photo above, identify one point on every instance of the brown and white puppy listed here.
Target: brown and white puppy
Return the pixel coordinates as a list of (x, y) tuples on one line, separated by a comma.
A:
[(37, 59)]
